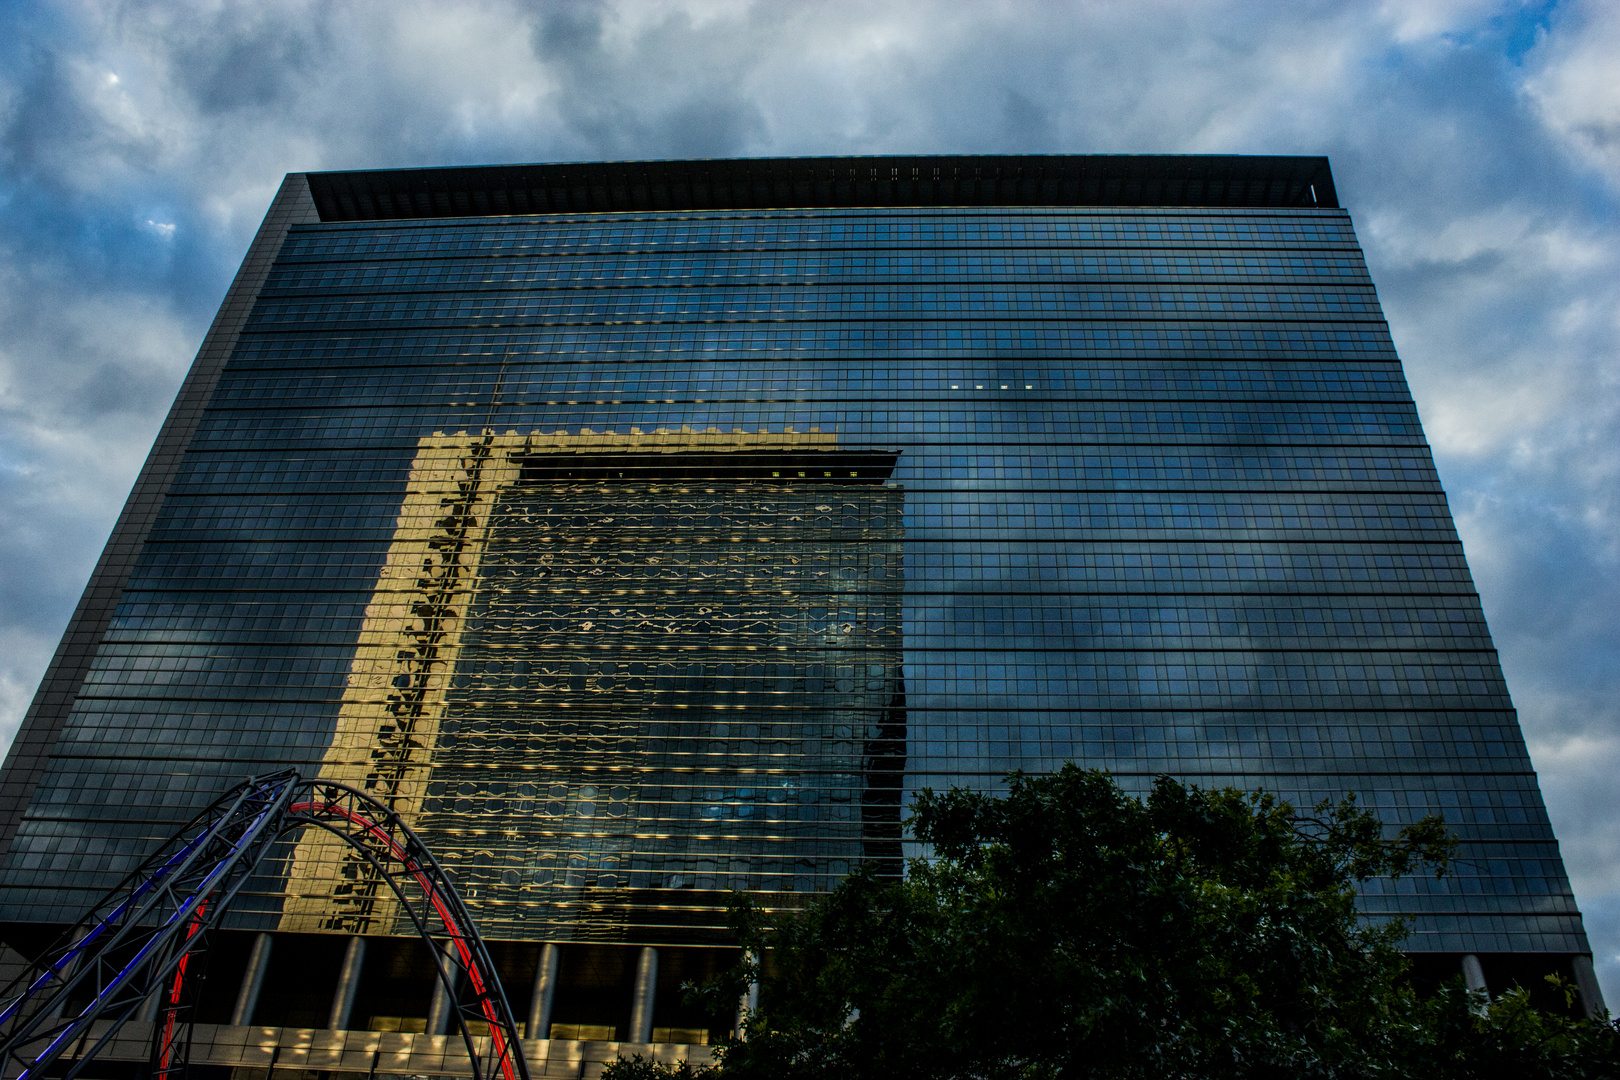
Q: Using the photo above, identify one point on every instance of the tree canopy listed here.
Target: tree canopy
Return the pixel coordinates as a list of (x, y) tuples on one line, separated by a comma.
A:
[(1068, 929)]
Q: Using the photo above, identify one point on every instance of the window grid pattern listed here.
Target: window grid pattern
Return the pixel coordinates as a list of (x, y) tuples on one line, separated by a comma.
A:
[(1158, 500)]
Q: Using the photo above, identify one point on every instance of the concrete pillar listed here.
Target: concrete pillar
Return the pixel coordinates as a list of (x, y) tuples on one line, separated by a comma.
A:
[(247, 999), (354, 958), (438, 1021), (544, 992), (1474, 974), (148, 1011), (748, 1004), (157, 1000), (641, 1008), (71, 969), (1591, 993)]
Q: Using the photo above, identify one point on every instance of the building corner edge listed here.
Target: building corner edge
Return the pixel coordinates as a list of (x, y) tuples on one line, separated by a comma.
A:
[(48, 711)]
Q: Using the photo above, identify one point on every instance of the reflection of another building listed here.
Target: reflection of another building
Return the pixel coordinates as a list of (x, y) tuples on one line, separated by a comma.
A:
[(617, 676)]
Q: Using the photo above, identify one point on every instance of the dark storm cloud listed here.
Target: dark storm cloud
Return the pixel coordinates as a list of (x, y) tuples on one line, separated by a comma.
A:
[(245, 58), (675, 92), (1477, 143)]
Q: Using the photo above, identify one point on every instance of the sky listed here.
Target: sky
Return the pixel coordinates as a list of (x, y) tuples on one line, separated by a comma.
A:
[(1475, 142)]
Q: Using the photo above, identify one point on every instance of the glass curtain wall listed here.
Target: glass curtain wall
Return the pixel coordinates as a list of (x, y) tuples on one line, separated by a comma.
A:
[(643, 556)]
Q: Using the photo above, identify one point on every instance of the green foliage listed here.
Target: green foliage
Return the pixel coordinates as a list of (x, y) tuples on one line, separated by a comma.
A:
[(639, 1068), (1510, 1038), (1068, 929)]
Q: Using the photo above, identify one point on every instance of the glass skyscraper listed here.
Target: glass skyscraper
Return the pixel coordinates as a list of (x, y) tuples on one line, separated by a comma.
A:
[(645, 531)]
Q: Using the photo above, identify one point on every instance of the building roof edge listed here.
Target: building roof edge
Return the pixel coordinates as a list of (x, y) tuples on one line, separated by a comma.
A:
[(1122, 180)]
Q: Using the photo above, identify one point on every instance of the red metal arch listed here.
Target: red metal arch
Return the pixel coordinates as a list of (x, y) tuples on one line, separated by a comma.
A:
[(470, 954), (137, 941)]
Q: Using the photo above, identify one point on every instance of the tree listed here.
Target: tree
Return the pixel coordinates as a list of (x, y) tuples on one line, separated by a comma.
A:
[(1068, 929)]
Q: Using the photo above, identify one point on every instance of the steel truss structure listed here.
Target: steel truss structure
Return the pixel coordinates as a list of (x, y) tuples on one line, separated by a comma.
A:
[(131, 951)]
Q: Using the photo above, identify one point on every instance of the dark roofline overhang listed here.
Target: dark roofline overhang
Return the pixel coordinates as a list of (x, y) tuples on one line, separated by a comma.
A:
[(1124, 180)]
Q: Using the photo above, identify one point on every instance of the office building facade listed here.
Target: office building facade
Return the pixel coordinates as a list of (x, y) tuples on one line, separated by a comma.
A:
[(644, 532)]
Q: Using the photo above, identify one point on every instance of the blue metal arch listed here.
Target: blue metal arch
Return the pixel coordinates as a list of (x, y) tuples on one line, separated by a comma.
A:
[(137, 939)]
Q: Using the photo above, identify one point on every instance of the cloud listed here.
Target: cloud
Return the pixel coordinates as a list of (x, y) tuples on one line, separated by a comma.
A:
[(85, 376), (1477, 143), (1575, 84), (1579, 768)]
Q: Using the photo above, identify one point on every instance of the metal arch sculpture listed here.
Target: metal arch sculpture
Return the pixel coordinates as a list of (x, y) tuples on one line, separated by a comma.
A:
[(136, 941), (382, 838)]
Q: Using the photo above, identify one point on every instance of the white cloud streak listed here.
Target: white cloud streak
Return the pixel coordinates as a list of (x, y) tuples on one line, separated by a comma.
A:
[(1575, 85)]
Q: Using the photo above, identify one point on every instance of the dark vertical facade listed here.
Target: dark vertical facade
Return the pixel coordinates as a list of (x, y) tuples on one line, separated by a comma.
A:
[(650, 531)]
